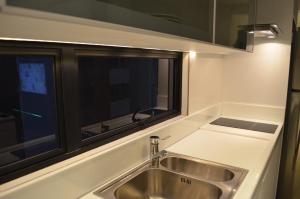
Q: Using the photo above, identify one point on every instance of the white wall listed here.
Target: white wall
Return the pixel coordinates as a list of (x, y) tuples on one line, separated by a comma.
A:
[(163, 74), (205, 81), (213, 78), (261, 77), (258, 78)]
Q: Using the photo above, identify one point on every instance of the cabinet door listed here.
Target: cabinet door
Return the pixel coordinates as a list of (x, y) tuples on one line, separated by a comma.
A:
[(190, 18), (233, 17)]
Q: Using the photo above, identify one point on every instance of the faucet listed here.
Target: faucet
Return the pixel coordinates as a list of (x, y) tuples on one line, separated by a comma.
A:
[(154, 150)]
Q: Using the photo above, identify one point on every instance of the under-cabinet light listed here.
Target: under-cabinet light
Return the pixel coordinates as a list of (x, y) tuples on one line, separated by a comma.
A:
[(192, 54), (270, 31), (83, 43)]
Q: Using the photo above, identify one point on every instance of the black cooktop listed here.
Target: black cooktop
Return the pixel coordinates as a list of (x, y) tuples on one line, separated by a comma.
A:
[(241, 124)]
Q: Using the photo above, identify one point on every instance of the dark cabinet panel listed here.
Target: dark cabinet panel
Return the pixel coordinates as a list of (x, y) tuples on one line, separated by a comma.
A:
[(233, 18), (191, 18)]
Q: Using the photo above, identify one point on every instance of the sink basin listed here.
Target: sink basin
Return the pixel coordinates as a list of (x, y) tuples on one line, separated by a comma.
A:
[(175, 177), (162, 184), (202, 170)]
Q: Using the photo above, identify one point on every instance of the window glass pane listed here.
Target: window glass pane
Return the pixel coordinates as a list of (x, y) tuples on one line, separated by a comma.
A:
[(119, 91), (28, 120), (191, 18)]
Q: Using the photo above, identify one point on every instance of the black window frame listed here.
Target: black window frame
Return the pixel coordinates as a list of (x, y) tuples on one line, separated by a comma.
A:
[(67, 99)]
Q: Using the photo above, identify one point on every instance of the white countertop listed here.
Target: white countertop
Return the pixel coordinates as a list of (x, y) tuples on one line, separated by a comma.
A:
[(235, 147)]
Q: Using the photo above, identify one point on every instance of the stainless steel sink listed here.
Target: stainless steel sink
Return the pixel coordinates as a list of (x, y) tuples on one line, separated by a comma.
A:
[(157, 183), (176, 177), (199, 169)]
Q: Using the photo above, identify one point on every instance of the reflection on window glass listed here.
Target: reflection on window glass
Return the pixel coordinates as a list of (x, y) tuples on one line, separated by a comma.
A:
[(192, 18), (32, 77), (116, 92), (28, 121)]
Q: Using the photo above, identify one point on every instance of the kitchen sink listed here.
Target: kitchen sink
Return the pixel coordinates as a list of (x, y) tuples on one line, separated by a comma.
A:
[(157, 183), (175, 177), (199, 169)]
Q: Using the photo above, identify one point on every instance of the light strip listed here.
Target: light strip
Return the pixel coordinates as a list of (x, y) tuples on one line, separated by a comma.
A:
[(83, 43), (262, 30)]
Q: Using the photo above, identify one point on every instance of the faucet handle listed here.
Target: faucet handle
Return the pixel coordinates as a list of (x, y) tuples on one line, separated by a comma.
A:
[(154, 139)]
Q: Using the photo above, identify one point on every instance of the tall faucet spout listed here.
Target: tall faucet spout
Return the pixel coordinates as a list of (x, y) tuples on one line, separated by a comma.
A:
[(154, 150)]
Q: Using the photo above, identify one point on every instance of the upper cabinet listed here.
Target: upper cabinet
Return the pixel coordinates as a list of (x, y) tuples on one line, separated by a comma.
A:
[(234, 20), (192, 18), (219, 21)]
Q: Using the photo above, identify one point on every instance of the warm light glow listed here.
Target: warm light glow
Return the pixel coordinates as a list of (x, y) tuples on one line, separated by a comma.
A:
[(193, 54), (269, 32), (265, 33), (273, 55)]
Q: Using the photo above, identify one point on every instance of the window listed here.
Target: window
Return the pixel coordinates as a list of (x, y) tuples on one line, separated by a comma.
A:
[(59, 100), (117, 92), (28, 111)]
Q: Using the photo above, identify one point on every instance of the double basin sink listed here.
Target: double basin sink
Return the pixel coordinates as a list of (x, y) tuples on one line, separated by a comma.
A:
[(176, 176)]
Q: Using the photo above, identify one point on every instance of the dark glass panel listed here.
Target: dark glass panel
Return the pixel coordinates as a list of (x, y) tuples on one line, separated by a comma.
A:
[(119, 91), (28, 120)]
